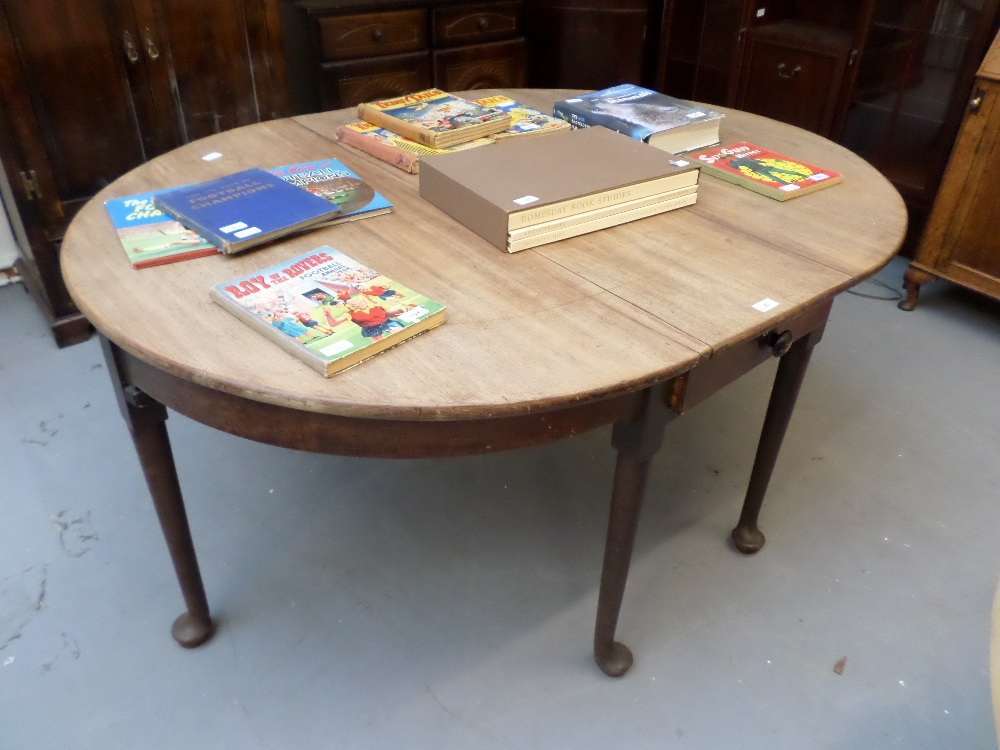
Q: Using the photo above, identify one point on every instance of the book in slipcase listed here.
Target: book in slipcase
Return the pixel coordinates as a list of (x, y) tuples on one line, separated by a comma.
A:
[(327, 309)]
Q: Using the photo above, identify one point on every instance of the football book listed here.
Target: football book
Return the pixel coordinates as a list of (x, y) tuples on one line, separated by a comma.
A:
[(524, 121), (150, 237), (395, 149), (765, 172), (328, 310), (333, 181), (245, 209), (662, 121), (435, 118), (498, 192)]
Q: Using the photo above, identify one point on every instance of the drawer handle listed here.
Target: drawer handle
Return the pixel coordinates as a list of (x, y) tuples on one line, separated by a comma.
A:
[(779, 343), (787, 76), (377, 35), (483, 23)]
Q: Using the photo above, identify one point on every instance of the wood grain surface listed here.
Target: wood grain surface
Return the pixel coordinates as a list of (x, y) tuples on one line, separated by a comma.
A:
[(563, 324)]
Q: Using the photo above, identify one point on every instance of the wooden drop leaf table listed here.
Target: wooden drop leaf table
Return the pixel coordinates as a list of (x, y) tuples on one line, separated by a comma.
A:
[(630, 326)]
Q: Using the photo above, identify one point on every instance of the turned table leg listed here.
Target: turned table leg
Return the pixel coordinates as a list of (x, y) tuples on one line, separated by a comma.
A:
[(637, 442), (791, 371), (146, 420), (913, 279)]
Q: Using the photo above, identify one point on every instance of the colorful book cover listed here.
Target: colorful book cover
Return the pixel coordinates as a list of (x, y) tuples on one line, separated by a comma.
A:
[(328, 310), (633, 111), (395, 149), (435, 118), (245, 209), (334, 181), (524, 121), (150, 237), (776, 176)]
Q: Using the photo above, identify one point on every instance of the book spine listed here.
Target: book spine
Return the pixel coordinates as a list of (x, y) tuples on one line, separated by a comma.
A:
[(203, 253), (205, 232), (382, 151), (283, 340), (609, 221), (612, 197), (406, 129), (575, 117)]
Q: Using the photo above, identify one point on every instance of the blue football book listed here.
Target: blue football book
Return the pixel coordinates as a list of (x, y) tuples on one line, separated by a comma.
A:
[(665, 122), (245, 209), (336, 182)]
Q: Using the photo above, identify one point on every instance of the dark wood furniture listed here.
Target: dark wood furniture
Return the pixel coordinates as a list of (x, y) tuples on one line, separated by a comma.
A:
[(962, 240), (345, 52), (887, 78), (630, 326), (92, 88)]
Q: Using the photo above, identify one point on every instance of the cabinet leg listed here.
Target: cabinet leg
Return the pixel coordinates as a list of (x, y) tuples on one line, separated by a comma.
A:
[(637, 442), (791, 371), (146, 420), (913, 279)]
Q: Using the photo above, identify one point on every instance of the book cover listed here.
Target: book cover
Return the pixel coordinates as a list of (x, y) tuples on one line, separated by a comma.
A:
[(524, 121), (335, 182), (244, 209), (435, 118), (395, 149), (524, 182), (755, 168), (150, 237), (327, 309), (640, 113)]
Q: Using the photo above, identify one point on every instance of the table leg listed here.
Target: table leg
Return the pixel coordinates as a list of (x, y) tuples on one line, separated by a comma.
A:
[(146, 420), (637, 442), (791, 371)]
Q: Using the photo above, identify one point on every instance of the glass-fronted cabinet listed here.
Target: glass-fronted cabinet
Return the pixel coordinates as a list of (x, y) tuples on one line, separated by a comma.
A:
[(915, 72)]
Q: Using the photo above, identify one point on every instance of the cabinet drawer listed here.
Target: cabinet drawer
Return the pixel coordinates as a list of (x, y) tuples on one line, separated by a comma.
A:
[(482, 66), (347, 84), (471, 24), (370, 34)]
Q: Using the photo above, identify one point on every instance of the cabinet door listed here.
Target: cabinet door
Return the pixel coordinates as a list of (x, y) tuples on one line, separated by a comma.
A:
[(199, 64), (970, 251), (591, 44), (498, 65), (70, 100)]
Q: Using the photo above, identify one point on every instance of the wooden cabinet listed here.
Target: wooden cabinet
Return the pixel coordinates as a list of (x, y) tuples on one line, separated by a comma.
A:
[(793, 72), (345, 53), (92, 88), (589, 44), (962, 239)]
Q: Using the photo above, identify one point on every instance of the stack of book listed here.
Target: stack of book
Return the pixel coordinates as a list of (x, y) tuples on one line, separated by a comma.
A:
[(402, 138), (330, 190), (527, 193)]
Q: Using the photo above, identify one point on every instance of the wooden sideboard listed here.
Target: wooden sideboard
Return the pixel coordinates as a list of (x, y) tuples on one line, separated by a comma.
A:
[(962, 241), (92, 88), (344, 52)]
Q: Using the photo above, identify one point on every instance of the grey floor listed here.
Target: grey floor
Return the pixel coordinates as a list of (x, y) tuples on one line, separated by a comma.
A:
[(449, 603)]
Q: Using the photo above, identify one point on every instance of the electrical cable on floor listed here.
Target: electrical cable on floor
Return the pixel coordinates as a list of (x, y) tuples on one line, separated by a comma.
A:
[(897, 295)]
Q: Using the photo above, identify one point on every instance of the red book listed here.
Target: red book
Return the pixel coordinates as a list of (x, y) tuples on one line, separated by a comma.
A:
[(765, 172)]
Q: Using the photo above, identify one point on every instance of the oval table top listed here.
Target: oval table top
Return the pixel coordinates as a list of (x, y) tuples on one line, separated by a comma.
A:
[(559, 325)]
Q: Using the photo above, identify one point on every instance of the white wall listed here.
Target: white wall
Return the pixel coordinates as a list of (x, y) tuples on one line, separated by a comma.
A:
[(8, 248)]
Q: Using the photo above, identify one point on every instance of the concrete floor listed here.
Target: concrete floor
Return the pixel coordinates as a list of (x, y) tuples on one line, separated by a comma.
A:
[(449, 603)]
